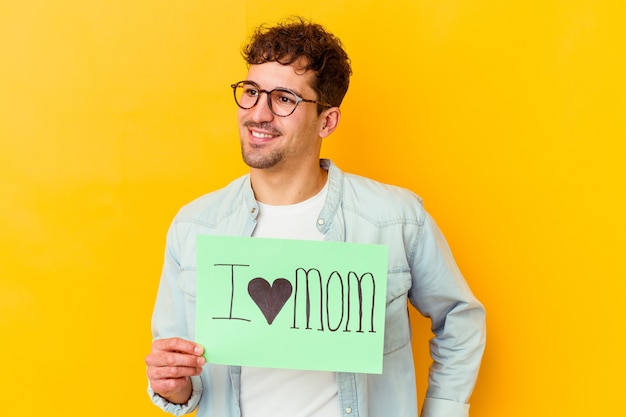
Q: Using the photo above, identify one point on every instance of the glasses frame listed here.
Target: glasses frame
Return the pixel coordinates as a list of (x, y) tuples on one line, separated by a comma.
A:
[(240, 84)]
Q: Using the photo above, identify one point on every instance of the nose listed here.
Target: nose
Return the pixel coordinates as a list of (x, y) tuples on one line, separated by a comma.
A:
[(261, 111)]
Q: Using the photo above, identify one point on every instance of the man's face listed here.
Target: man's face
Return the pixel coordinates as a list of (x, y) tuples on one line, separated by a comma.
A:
[(272, 142)]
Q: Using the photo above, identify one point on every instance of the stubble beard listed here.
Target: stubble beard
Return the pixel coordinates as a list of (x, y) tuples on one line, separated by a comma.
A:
[(254, 157)]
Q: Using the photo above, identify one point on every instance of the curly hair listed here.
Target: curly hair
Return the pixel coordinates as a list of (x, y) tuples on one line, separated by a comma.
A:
[(296, 41)]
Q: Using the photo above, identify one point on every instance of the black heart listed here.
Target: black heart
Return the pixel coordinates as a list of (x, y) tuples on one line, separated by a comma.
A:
[(269, 299)]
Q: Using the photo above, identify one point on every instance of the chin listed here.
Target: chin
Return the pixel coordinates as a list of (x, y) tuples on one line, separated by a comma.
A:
[(262, 161)]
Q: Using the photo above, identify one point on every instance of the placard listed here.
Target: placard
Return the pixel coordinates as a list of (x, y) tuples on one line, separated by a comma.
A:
[(292, 304)]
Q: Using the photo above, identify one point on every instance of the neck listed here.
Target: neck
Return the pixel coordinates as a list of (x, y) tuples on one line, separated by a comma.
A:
[(284, 188)]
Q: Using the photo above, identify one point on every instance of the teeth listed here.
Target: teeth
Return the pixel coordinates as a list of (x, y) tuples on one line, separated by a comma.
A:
[(261, 135)]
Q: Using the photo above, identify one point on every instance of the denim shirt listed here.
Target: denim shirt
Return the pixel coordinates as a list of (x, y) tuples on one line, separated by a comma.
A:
[(421, 270)]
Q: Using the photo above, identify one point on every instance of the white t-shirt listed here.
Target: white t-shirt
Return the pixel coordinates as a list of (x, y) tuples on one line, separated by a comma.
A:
[(267, 392)]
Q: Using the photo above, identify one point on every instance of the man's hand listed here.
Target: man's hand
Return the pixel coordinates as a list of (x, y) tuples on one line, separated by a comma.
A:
[(171, 363)]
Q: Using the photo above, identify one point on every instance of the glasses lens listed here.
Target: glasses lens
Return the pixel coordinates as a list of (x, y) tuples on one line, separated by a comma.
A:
[(282, 102), (246, 94)]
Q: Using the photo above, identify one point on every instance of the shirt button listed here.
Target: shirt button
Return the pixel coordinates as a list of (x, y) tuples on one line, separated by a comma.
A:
[(348, 410), (320, 221)]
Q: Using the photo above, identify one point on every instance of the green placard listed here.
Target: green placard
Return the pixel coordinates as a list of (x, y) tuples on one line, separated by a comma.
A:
[(291, 304)]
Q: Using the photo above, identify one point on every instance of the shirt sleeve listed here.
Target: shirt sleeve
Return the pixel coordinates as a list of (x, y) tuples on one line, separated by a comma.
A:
[(179, 409), (435, 407), (440, 292), (168, 318)]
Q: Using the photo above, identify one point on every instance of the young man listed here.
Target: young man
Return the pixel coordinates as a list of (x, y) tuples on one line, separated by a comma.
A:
[(288, 103)]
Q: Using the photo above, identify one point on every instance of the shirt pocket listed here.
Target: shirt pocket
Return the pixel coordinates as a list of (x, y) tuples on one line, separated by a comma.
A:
[(397, 328)]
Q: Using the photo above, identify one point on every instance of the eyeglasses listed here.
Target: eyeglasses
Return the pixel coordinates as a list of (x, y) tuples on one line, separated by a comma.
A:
[(281, 101)]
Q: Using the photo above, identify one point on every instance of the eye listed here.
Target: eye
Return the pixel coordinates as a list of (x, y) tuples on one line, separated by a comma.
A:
[(250, 91), (284, 98)]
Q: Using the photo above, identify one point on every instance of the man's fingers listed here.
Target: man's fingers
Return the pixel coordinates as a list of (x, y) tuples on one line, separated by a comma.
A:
[(177, 344), (170, 364), (175, 353), (174, 359), (172, 372)]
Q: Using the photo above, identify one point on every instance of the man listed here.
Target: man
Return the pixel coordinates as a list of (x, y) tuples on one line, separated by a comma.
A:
[(288, 103)]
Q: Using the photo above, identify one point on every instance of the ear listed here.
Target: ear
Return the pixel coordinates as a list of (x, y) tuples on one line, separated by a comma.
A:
[(329, 120)]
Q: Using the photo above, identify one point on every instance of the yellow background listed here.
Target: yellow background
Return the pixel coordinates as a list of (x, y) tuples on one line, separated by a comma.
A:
[(507, 117)]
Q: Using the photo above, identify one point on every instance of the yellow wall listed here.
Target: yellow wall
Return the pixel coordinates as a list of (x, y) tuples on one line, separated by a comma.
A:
[(507, 117)]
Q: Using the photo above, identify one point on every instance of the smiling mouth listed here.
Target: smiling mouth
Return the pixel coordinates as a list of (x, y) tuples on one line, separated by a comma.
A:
[(260, 135), (261, 130)]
